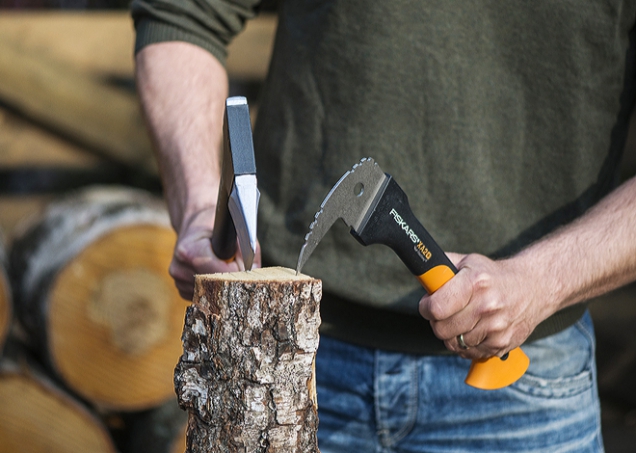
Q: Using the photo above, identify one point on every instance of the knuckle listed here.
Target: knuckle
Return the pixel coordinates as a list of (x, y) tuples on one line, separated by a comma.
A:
[(173, 270), (436, 309), (498, 325), (473, 259), (482, 281), (182, 253), (452, 347), (497, 345), (490, 305), (480, 354), (439, 331)]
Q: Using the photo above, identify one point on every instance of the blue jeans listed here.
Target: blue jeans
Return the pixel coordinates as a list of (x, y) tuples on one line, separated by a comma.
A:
[(377, 401)]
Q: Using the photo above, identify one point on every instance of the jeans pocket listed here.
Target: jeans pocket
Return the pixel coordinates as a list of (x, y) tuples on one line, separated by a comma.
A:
[(555, 388), (562, 365)]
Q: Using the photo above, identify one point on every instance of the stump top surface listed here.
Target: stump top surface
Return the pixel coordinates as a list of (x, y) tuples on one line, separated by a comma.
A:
[(263, 274)]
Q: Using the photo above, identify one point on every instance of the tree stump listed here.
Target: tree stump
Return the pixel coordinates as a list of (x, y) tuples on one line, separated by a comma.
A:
[(246, 376), (93, 293)]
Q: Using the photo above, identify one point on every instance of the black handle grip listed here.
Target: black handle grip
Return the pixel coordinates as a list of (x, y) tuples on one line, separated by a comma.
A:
[(393, 223), (224, 233)]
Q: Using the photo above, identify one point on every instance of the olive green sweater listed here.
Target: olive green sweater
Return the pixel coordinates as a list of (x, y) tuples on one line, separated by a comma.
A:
[(501, 120)]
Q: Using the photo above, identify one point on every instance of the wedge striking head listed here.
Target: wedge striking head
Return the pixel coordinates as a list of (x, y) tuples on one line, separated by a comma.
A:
[(237, 204), (351, 200)]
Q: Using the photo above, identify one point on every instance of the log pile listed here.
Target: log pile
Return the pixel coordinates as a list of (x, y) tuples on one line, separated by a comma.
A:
[(97, 313), (37, 416), (246, 376), (93, 293), (6, 311), (95, 303)]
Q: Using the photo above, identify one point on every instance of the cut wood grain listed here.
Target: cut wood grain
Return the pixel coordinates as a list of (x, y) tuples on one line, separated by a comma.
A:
[(93, 292), (36, 416), (246, 375)]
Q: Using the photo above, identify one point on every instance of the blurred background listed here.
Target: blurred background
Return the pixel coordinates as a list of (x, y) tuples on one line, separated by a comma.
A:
[(90, 322)]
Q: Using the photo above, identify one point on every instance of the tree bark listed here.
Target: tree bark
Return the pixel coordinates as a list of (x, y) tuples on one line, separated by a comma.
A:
[(246, 376)]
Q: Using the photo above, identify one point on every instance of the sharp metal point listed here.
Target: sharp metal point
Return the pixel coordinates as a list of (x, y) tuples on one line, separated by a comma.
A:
[(349, 199)]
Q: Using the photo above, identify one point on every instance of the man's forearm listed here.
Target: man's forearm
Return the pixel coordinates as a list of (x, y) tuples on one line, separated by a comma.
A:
[(593, 255), (183, 90)]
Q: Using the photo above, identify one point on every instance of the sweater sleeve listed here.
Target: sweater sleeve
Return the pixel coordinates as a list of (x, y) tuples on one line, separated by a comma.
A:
[(210, 24)]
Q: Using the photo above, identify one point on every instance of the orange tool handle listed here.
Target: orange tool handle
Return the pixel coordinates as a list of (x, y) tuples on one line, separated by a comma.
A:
[(486, 374), (393, 223)]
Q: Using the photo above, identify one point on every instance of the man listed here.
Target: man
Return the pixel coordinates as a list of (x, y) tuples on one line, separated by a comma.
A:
[(503, 121)]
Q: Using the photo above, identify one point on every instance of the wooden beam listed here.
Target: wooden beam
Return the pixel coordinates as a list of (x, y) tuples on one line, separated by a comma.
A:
[(55, 69), (96, 115), (97, 42), (23, 144), (102, 43)]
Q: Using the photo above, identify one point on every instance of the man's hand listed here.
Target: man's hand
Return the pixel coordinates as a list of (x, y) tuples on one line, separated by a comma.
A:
[(193, 253), (495, 305)]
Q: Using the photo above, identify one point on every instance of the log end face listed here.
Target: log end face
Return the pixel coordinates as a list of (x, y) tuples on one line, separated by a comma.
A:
[(261, 275), (133, 305)]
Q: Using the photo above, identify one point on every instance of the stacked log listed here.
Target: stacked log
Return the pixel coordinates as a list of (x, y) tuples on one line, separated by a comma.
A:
[(246, 376), (36, 416), (5, 297), (159, 430), (93, 293)]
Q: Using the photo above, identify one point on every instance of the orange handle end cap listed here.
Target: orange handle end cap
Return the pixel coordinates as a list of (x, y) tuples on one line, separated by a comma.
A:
[(486, 374), (494, 373)]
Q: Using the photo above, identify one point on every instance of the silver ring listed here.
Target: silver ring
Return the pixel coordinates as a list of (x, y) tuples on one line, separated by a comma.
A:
[(460, 340)]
